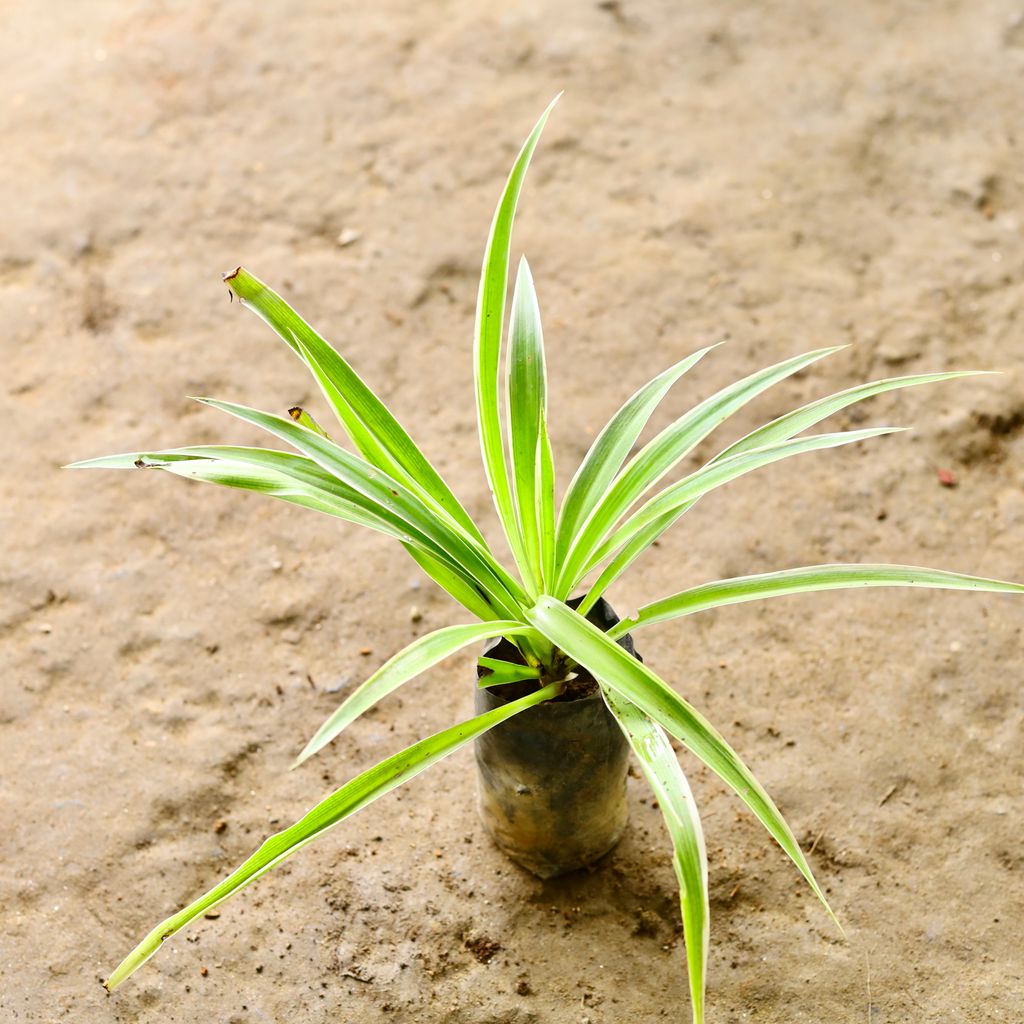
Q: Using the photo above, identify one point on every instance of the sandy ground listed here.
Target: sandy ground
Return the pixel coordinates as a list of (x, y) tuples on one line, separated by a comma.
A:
[(782, 175)]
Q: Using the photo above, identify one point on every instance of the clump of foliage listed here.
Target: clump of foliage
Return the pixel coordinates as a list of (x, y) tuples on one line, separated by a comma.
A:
[(611, 513)]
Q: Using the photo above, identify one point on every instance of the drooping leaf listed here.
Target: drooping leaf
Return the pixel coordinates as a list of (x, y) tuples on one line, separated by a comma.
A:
[(390, 494), (352, 797), (613, 667), (300, 481), (678, 808)]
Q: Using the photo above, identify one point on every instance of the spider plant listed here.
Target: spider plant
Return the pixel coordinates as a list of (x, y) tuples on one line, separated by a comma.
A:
[(614, 509)]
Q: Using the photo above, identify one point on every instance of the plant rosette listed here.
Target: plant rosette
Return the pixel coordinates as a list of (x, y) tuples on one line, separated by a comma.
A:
[(558, 645)]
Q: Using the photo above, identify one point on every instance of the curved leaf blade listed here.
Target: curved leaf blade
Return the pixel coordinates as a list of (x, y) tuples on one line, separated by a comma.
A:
[(378, 435), (300, 481), (392, 495), (715, 474), (678, 808), (345, 802), (610, 665), (423, 653), (807, 416), (666, 450), (802, 581)]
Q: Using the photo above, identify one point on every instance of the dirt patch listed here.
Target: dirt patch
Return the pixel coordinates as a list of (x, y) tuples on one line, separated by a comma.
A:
[(779, 175)]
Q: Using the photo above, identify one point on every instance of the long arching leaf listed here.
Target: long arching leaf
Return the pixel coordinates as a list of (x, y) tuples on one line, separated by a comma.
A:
[(666, 450), (795, 422), (690, 860), (352, 797), (300, 481), (715, 474), (611, 666), (802, 581), (390, 494)]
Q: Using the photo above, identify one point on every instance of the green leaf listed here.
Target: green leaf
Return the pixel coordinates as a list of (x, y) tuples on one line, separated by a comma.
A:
[(500, 672), (374, 430), (352, 797), (300, 481), (678, 808), (610, 449), (455, 582), (421, 654), (627, 555), (666, 450), (546, 505), (490, 316), (802, 581), (688, 490), (527, 408), (807, 416), (391, 495), (610, 665)]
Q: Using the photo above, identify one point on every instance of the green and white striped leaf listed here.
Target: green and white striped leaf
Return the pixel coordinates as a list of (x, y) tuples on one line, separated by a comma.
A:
[(527, 410), (807, 416), (300, 481), (501, 672), (687, 491), (803, 581), (611, 666), (546, 505), (352, 797), (666, 450), (421, 654), (610, 449), (675, 801), (377, 434), (644, 538), (490, 317), (388, 493)]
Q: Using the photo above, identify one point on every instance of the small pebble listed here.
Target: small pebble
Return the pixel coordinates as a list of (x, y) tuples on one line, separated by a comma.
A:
[(348, 236), (415, 615), (365, 651)]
